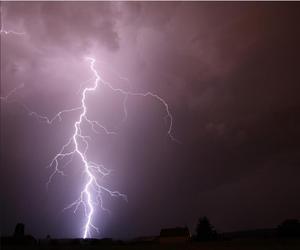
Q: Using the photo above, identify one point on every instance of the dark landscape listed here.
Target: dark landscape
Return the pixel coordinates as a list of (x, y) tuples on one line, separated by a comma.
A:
[(285, 236)]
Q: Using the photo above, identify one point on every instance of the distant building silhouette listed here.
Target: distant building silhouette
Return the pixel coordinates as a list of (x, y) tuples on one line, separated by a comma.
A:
[(19, 237), (174, 235)]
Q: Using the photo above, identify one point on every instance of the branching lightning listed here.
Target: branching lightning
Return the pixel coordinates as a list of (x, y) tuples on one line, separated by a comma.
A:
[(10, 93), (91, 169), (7, 32), (78, 145)]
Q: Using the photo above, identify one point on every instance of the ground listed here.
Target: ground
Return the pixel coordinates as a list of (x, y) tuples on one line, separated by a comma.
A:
[(267, 244)]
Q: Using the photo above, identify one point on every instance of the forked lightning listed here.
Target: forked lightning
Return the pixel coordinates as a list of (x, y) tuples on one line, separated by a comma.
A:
[(92, 192)]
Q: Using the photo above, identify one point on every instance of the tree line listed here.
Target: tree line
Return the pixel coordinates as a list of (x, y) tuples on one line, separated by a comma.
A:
[(205, 231)]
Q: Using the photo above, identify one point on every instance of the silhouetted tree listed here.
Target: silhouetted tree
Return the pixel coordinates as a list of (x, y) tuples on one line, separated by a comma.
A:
[(204, 230), (19, 230), (289, 228)]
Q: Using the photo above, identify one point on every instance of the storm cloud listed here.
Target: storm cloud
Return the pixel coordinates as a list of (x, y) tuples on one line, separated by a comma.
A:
[(230, 75)]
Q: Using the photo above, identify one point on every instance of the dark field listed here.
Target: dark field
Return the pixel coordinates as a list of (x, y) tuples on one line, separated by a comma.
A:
[(267, 244)]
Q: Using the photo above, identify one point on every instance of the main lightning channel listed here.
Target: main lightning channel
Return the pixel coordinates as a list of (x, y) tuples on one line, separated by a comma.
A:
[(82, 155), (92, 192), (91, 169)]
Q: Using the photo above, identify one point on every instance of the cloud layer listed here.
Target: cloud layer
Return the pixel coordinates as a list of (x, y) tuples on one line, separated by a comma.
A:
[(230, 75)]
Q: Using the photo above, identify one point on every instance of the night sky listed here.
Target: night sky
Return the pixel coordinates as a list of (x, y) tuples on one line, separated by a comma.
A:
[(230, 74)]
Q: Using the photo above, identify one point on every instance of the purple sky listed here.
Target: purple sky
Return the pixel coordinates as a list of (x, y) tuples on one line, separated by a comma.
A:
[(230, 74)]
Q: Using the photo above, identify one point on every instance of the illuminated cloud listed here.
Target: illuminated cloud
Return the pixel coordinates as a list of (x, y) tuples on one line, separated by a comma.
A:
[(229, 74)]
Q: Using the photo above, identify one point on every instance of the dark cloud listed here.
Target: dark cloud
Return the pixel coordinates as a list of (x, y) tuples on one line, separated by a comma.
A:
[(230, 75), (73, 25)]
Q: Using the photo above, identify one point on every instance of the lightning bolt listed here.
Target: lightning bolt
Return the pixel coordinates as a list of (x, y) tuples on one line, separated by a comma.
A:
[(11, 93), (7, 32), (92, 192), (91, 169), (78, 145)]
